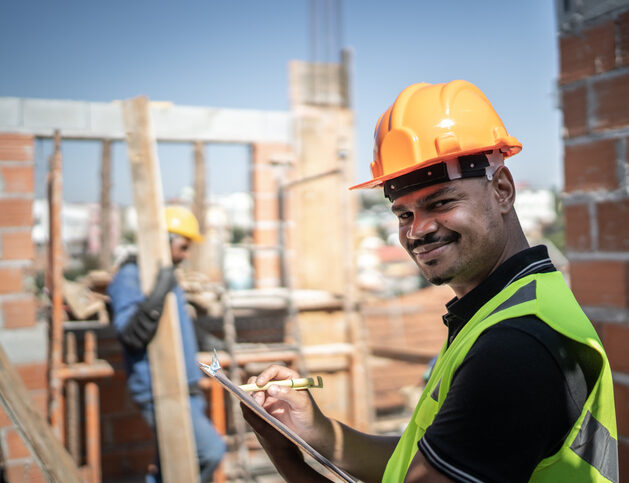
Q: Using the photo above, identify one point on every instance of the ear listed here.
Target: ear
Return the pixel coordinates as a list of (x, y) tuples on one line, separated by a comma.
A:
[(503, 189)]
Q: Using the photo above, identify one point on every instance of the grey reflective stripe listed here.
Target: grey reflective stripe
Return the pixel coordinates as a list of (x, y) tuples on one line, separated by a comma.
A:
[(523, 294), (435, 392), (595, 445)]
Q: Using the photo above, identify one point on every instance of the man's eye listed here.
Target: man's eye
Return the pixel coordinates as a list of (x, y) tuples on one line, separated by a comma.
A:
[(441, 203), (405, 216)]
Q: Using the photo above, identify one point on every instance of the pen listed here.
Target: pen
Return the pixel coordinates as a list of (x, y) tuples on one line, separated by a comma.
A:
[(298, 384)]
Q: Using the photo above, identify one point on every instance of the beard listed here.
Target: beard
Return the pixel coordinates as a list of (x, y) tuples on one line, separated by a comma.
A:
[(435, 279)]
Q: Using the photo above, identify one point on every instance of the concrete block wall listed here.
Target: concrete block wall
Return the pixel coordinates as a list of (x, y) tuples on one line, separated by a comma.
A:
[(594, 90), (23, 339)]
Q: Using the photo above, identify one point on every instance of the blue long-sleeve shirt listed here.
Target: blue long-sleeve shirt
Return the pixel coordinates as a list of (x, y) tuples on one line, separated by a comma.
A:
[(125, 294)]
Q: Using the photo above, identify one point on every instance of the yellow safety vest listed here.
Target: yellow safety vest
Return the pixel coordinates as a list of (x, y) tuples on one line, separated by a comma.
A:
[(590, 451)]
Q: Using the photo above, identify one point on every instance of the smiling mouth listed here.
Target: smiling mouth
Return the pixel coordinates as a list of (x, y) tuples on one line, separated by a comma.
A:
[(424, 250)]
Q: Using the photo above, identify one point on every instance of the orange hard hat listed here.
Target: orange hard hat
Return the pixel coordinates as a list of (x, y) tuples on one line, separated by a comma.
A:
[(431, 124), (181, 221)]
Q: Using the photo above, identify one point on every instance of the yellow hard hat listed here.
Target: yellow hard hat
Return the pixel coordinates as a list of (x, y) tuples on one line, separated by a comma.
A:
[(181, 221), (430, 124)]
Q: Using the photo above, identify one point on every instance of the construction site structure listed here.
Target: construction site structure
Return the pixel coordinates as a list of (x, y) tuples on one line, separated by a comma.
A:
[(311, 321)]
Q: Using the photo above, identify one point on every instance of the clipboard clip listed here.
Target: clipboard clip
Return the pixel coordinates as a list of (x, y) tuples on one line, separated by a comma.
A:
[(214, 367)]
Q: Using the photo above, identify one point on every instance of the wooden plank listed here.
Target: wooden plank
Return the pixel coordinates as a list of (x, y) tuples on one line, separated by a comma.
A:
[(56, 400), (105, 206), (54, 461), (170, 391), (406, 354), (198, 205)]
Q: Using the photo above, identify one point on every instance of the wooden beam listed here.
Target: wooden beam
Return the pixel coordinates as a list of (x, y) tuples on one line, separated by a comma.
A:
[(170, 390), (56, 400), (105, 206), (54, 461), (198, 206), (406, 354)]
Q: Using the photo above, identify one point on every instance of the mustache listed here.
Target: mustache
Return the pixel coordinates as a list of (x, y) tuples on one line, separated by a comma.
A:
[(432, 238)]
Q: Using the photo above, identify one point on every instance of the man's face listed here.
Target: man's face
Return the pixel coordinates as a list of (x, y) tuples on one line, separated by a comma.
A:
[(179, 249), (453, 231)]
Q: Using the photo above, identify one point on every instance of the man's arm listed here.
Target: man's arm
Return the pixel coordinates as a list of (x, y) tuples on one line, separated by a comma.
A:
[(362, 455), (136, 317)]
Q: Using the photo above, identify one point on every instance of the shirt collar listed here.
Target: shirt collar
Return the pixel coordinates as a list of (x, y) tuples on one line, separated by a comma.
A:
[(460, 311)]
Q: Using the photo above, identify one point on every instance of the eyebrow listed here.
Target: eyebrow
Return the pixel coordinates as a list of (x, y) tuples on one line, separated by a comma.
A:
[(440, 192)]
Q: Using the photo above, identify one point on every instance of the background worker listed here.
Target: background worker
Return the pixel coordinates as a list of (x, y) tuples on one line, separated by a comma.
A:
[(136, 318), (522, 388)]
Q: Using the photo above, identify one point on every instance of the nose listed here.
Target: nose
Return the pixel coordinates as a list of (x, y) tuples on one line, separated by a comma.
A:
[(421, 226)]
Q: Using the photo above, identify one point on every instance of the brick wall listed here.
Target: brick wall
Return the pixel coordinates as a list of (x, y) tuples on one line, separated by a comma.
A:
[(127, 442), (594, 89), (266, 261), (21, 337)]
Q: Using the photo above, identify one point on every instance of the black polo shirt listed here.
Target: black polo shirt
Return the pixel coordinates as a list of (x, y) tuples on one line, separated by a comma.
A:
[(516, 394)]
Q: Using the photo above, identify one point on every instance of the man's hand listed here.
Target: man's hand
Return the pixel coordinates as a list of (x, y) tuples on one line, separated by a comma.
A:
[(142, 326), (284, 455), (296, 409)]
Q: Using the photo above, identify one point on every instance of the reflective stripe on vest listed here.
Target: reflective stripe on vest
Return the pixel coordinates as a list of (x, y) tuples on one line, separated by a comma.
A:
[(596, 446)]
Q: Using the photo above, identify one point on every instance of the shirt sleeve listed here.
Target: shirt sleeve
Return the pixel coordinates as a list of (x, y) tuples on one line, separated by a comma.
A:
[(125, 295), (510, 405)]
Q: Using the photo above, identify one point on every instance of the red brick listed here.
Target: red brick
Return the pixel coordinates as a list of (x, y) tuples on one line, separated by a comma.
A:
[(621, 401), (16, 212), (265, 209), (612, 103), (588, 53), (602, 283), (591, 166), (34, 375), (623, 461), (16, 179), (577, 228), (19, 313), (265, 236), (16, 246), (124, 463), (613, 225), (24, 472), (574, 107), (131, 429), (10, 280), (616, 343), (622, 23), (266, 267), (15, 445), (113, 395), (16, 147)]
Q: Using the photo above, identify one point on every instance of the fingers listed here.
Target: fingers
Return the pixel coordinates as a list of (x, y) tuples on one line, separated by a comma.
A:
[(272, 373), (275, 372), (296, 400)]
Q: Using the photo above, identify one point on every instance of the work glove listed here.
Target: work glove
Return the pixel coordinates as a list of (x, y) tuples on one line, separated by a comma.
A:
[(143, 323)]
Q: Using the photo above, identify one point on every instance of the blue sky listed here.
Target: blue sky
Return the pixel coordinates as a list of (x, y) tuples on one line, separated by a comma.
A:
[(236, 53)]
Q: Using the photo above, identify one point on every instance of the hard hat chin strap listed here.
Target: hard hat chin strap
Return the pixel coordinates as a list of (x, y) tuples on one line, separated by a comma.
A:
[(470, 166)]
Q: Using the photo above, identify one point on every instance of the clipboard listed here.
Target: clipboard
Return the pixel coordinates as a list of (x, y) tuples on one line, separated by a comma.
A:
[(215, 371)]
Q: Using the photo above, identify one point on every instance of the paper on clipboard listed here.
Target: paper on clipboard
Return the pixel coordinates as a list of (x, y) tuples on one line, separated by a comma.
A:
[(214, 370)]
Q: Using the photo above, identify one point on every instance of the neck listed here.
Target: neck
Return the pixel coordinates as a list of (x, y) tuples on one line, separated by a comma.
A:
[(515, 242)]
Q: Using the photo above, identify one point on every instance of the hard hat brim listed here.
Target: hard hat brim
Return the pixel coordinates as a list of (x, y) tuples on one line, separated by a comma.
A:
[(379, 181)]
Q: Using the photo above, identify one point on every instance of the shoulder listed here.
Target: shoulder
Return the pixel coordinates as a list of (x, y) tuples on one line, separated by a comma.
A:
[(126, 278)]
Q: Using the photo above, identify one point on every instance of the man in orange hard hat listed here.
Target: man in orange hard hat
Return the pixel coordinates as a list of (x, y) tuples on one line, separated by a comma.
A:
[(522, 388), (136, 318)]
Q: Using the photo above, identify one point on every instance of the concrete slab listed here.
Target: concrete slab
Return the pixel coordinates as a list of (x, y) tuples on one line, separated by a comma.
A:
[(100, 120)]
